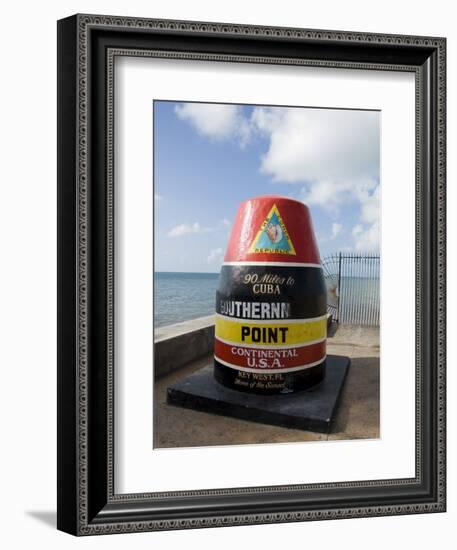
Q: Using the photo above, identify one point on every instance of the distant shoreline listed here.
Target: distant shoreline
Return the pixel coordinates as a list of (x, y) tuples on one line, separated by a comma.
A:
[(343, 276)]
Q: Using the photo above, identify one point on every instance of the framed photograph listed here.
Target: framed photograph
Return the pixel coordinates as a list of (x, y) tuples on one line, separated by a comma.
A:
[(251, 274)]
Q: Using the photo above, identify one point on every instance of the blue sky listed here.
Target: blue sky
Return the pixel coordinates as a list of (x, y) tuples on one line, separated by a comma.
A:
[(209, 157)]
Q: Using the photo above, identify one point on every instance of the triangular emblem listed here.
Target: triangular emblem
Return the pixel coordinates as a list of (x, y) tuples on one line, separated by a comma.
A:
[(272, 237)]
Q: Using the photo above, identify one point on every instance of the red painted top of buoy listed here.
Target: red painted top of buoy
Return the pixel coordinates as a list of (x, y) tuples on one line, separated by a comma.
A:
[(273, 228)]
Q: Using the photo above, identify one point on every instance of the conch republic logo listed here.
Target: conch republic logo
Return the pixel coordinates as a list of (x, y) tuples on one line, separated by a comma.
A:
[(272, 237)]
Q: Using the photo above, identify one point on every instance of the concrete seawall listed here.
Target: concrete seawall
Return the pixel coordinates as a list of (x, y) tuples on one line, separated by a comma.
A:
[(179, 344)]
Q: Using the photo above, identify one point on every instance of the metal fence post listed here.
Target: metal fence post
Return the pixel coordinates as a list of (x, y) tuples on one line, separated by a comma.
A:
[(339, 288)]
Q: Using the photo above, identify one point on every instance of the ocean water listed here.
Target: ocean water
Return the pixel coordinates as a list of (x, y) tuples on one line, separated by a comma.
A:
[(359, 300), (183, 296)]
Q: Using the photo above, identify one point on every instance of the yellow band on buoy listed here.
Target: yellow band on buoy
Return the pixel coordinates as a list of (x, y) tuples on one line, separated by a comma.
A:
[(276, 334)]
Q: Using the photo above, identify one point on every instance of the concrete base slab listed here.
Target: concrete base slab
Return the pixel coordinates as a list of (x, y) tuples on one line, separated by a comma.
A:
[(313, 409)]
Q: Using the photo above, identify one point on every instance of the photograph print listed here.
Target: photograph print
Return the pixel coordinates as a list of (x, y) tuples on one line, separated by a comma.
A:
[(266, 274)]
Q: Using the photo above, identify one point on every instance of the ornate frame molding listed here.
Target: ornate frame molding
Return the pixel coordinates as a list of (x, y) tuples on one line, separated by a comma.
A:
[(84, 51)]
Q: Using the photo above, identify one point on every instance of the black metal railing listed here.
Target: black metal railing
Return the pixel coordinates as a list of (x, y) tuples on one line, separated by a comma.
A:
[(353, 287)]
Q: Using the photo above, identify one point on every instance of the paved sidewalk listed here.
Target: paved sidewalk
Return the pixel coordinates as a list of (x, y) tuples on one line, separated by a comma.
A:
[(357, 417)]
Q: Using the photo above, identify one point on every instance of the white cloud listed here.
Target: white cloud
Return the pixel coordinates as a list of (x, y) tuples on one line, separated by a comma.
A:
[(158, 197), (366, 238), (336, 229), (184, 229), (333, 154), (218, 122), (215, 256), (357, 230), (370, 206), (308, 145)]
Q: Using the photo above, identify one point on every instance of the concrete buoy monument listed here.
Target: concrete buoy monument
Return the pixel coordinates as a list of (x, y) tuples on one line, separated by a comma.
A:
[(270, 363), (271, 303)]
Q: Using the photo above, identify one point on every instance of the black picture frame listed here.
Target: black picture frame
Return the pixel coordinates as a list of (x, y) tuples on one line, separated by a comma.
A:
[(87, 45)]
